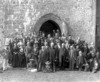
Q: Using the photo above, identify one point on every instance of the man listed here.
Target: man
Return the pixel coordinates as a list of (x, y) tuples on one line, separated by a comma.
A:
[(78, 41), (89, 59), (56, 36), (86, 50), (47, 58), (49, 39), (52, 54), (98, 58), (58, 32), (80, 60), (28, 51), (47, 51), (54, 33), (72, 54), (41, 60), (70, 40), (62, 56), (35, 53), (57, 48)]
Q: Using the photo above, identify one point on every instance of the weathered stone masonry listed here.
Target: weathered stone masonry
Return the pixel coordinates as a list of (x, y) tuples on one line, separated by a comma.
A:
[(22, 15)]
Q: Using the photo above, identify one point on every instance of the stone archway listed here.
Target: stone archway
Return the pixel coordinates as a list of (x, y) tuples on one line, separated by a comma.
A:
[(48, 27), (54, 18)]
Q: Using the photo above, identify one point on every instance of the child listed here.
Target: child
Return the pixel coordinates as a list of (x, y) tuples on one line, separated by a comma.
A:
[(30, 64), (47, 66)]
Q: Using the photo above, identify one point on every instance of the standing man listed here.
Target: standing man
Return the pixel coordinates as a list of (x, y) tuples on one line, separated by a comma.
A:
[(62, 56), (41, 61), (52, 54), (28, 51), (72, 54), (35, 53), (70, 40)]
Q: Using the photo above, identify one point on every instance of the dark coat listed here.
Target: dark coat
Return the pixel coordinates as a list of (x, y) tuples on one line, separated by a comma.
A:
[(80, 60), (22, 59), (72, 55), (70, 41), (42, 56), (62, 53), (28, 51), (86, 51), (57, 53), (52, 54)]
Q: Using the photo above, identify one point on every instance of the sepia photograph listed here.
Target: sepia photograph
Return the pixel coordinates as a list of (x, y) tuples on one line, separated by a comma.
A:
[(49, 41)]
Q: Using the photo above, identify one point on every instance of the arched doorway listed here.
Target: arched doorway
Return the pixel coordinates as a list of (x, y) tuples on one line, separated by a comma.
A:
[(54, 21), (48, 27)]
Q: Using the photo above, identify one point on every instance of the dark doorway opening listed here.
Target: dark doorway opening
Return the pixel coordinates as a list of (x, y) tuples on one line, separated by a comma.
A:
[(48, 27)]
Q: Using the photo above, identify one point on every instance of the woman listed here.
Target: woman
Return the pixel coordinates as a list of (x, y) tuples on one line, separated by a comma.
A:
[(15, 58), (22, 59)]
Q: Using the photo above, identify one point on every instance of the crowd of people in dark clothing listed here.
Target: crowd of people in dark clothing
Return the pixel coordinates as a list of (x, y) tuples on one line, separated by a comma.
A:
[(52, 52)]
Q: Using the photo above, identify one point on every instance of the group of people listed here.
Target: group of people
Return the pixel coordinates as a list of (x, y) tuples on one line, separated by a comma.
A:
[(50, 53)]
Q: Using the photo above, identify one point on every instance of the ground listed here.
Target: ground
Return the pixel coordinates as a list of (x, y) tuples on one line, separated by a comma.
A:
[(22, 75)]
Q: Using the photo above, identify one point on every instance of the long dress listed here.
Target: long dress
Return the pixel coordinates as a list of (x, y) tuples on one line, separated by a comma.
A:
[(22, 59), (15, 58)]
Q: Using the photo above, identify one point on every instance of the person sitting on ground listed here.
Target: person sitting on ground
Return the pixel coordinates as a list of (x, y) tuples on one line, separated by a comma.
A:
[(48, 66), (30, 64), (98, 59), (95, 66)]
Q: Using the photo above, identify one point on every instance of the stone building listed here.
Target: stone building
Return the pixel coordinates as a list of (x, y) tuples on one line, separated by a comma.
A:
[(71, 17)]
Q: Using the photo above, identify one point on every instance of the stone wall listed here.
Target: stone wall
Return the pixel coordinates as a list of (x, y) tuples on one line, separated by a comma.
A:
[(21, 16), (98, 24)]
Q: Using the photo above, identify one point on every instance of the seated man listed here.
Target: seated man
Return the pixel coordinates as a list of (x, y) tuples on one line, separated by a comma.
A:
[(95, 66), (90, 61), (98, 59)]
